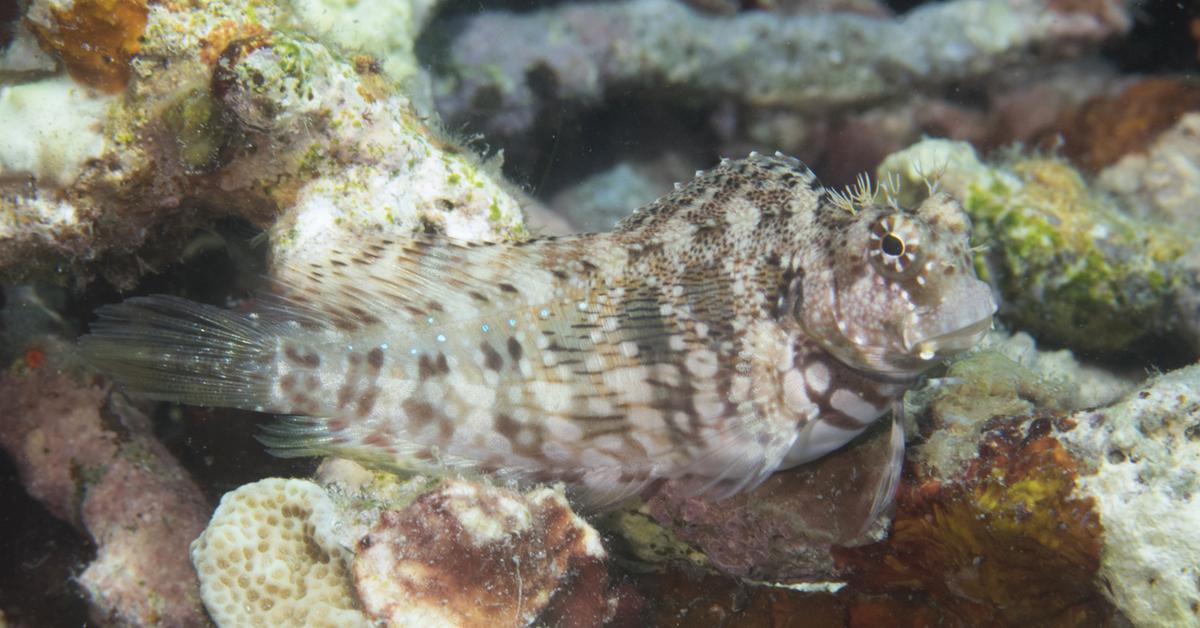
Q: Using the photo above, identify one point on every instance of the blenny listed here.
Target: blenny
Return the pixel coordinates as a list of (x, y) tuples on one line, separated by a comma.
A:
[(751, 320)]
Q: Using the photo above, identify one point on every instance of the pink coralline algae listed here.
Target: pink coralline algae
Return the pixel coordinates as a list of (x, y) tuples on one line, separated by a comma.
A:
[(92, 461)]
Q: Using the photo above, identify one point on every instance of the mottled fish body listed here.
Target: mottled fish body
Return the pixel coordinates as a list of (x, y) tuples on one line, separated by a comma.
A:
[(748, 321)]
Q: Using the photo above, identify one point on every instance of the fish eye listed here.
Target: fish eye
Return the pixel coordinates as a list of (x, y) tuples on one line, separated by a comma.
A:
[(895, 244), (892, 245)]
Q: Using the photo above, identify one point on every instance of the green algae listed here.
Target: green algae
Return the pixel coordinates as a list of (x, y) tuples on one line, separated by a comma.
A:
[(203, 129), (650, 542)]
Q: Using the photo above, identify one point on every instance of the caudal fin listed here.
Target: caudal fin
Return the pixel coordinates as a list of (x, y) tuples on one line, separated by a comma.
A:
[(171, 349)]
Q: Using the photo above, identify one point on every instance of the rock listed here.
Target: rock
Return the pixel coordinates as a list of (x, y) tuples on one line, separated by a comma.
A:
[(470, 555), (1141, 469), (577, 53)]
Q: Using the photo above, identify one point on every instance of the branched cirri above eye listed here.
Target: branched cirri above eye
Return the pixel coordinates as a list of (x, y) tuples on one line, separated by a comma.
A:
[(895, 244)]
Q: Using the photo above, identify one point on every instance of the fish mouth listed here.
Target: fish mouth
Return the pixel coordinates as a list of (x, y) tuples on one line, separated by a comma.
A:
[(949, 330)]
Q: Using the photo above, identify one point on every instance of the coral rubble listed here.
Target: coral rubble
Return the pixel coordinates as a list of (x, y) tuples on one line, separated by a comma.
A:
[(1163, 181), (1141, 469), (1111, 126)]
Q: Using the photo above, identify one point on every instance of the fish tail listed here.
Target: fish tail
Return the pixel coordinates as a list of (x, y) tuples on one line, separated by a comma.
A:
[(171, 349)]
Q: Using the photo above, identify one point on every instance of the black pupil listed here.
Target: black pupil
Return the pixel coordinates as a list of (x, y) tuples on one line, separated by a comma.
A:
[(892, 245)]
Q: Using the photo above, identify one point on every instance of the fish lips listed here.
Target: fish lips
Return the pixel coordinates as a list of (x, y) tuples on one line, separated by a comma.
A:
[(955, 325)]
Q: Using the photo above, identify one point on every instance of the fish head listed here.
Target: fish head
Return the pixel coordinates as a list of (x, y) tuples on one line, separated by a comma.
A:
[(891, 290)]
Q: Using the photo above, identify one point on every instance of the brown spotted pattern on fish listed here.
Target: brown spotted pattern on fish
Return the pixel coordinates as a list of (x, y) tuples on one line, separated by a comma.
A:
[(747, 321)]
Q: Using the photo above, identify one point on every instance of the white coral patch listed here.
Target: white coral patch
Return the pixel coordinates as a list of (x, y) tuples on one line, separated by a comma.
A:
[(503, 516), (50, 129)]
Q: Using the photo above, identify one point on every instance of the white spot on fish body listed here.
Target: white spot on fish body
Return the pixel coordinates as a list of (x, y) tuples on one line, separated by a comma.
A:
[(556, 452), (817, 376), (701, 363), (645, 419), (433, 392), (708, 406), (563, 430), (594, 363), (795, 392), (552, 396), (600, 407), (526, 438), (853, 406), (742, 217), (611, 442)]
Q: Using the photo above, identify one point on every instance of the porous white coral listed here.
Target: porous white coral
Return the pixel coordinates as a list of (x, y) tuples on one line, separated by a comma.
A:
[(270, 557)]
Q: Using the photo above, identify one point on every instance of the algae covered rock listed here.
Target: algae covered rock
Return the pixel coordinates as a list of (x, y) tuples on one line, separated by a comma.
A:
[(1072, 265), (226, 109)]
